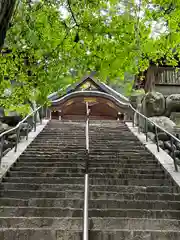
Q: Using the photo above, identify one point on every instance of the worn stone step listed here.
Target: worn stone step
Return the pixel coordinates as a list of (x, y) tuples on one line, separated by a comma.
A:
[(123, 161), (100, 159), (37, 152), (121, 155), (52, 158), (78, 212), (93, 181), (94, 164), (95, 195), (130, 181), (115, 175), (55, 143), (70, 201), (135, 224), (91, 170), (66, 223), (135, 213), (50, 180), (150, 167), (49, 169), (43, 174), (123, 152), (93, 141), (51, 234), (99, 188), (93, 149), (133, 188), (16, 193), (41, 211), (60, 135), (55, 148), (50, 164)]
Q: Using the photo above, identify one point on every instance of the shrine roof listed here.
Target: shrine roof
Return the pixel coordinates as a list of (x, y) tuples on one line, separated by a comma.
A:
[(88, 83)]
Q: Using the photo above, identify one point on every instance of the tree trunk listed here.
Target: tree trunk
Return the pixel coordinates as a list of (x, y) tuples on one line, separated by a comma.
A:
[(6, 11), (150, 79)]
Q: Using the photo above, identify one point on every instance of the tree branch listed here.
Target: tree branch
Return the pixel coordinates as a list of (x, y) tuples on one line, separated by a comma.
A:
[(72, 13), (6, 11)]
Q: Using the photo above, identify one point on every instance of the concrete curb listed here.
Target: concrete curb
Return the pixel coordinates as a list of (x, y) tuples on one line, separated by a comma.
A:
[(11, 157), (165, 160)]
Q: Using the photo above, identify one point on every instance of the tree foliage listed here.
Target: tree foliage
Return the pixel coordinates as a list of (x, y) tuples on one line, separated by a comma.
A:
[(46, 50), (6, 11)]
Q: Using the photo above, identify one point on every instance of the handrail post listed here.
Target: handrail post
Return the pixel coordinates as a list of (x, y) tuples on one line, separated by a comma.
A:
[(133, 120), (1, 148), (157, 140), (41, 114), (17, 139), (35, 121), (146, 130), (27, 129), (138, 122), (173, 155)]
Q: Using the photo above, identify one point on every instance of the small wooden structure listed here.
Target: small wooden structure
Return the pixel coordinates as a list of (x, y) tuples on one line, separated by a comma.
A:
[(100, 99), (164, 79)]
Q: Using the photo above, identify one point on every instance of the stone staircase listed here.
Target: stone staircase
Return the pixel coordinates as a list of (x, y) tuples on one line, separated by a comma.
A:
[(131, 196)]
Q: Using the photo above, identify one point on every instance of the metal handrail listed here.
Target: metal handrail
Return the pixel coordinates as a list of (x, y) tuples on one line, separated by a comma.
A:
[(17, 129), (171, 136), (86, 181)]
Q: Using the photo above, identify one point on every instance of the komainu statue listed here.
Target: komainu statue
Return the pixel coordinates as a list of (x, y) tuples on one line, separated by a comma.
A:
[(153, 104), (172, 104)]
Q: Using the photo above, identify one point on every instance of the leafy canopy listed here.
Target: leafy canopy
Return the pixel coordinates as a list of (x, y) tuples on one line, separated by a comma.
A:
[(52, 43)]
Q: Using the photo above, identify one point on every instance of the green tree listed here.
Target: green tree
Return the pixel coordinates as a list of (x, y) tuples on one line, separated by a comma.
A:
[(45, 44)]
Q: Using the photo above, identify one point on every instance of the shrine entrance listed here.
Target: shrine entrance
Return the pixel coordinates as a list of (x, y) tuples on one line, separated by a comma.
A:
[(74, 108), (100, 99)]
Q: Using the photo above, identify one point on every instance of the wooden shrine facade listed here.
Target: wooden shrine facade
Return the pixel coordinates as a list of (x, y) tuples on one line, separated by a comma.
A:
[(102, 105)]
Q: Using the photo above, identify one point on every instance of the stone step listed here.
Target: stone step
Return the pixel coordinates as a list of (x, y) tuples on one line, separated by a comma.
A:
[(55, 148), (49, 169), (60, 135), (51, 234), (76, 201), (72, 193), (78, 212), (52, 160), (50, 180), (50, 164), (50, 151), (91, 159), (118, 174), (150, 167), (54, 138), (135, 213), (92, 141), (81, 164), (113, 161), (71, 156), (42, 222), (36, 152), (91, 170), (66, 223), (45, 174), (41, 212), (93, 149), (102, 189), (16, 193), (93, 181)]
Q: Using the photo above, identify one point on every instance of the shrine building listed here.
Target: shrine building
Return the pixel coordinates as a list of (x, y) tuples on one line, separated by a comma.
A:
[(103, 102)]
